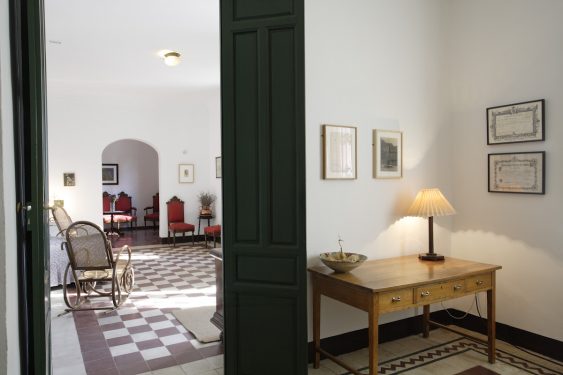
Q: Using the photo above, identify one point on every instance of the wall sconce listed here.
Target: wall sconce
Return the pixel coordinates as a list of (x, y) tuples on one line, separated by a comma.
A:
[(171, 58)]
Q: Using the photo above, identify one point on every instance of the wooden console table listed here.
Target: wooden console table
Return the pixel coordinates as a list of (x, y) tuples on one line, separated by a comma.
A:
[(386, 285)]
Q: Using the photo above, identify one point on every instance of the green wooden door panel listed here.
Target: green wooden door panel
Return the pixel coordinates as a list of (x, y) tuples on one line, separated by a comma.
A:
[(244, 9), (263, 140)]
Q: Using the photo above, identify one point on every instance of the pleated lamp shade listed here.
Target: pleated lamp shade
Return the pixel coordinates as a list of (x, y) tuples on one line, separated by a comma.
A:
[(430, 202)]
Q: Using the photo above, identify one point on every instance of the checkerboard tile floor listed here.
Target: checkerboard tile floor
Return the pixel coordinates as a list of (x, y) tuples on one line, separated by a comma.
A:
[(143, 335)]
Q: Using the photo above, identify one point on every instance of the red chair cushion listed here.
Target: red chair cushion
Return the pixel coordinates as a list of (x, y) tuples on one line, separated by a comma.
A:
[(124, 218), (214, 229), (153, 216), (181, 227)]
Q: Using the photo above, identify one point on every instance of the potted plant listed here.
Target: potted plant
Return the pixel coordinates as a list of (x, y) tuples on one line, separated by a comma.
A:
[(206, 200)]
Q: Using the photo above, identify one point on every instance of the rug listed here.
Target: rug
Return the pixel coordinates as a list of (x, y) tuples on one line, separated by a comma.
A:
[(448, 353), (196, 320)]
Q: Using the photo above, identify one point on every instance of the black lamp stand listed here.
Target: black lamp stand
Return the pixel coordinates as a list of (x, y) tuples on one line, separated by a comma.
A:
[(430, 255)]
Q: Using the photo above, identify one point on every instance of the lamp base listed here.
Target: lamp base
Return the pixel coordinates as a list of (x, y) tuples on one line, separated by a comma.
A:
[(430, 256)]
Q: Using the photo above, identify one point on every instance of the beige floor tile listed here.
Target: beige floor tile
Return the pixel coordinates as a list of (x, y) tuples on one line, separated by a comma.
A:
[(197, 367), (176, 370)]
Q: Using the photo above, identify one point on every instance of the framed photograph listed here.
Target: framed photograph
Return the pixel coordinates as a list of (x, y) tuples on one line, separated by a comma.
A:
[(110, 174), (218, 167), (387, 154), (185, 173), (339, 152), (519, 122), (522, 172), (69, 179)]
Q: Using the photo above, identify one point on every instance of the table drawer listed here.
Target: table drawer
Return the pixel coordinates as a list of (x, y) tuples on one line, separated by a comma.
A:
[(479, 282), (439, 291), (395, 300)]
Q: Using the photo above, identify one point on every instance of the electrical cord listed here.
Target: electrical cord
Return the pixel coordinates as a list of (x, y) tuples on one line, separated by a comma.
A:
[(464, 315)]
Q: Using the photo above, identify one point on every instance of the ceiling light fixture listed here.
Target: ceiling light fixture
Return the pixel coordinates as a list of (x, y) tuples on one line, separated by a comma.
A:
[(171, 58)]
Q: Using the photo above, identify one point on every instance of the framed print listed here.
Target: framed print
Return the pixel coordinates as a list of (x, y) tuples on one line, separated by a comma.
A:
[(387, 154), (519, 122), (218, 167), (185, 173), (69, 179), (339, 152), (110, 174), (522, 172)]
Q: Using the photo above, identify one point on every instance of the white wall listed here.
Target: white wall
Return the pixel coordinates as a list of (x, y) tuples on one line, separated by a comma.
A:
[(138, 172), (9, 334), (375, 65), (503, 52), (83, 120)]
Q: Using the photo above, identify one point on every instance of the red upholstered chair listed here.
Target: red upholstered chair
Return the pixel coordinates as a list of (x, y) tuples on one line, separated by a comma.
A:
[(176, 222), (154, 215), (106, 199), (124, 203), (213, 230)]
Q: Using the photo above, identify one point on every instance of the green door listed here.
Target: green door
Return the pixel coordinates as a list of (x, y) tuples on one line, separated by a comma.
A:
[(28, 76), (263, 140)]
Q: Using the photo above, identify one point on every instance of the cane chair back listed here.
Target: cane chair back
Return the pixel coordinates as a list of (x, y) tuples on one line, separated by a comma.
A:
[(62, 219), (88, 247)]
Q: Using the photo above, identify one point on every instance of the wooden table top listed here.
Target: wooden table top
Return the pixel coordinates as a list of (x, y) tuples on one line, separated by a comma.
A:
[(406, 271)]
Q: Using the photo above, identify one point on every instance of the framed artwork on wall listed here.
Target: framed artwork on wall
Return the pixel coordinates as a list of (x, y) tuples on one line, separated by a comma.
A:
[(185, 173), (522, 172), (110, 174), (387, 154), (339, 152), (519, 122), (218, 171), (69, 179)]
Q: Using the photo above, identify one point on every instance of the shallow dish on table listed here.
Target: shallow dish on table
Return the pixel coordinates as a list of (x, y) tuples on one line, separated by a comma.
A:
[(342, 262)]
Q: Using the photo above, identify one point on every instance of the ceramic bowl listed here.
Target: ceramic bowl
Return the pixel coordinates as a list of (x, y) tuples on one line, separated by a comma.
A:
[(341, 266)]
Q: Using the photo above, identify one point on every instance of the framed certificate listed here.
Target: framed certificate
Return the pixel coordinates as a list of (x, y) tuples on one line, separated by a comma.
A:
[(519, 122), (522, 172)]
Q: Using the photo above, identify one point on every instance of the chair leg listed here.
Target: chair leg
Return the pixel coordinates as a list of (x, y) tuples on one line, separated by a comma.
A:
[(205, 235), (174, 235), (193, 238), (168, 237), (214, 240)]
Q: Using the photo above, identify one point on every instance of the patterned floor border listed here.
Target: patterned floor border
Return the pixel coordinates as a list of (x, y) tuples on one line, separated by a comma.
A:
[(459, 346)]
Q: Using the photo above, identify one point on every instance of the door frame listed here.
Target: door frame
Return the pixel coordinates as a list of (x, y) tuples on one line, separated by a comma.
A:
[(28, 79)]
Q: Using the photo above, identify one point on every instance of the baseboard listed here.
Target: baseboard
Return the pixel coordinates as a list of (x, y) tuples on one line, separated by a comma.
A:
[(531, 341), (188, 239), (356, 340)]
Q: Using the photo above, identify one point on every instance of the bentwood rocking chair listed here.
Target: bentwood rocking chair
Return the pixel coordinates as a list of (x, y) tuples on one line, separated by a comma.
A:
[(95, 270)]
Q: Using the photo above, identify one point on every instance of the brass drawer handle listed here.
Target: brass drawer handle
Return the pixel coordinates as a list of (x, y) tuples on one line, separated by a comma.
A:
[(457, 287), (479, 282), (396, 299), (425, 294)]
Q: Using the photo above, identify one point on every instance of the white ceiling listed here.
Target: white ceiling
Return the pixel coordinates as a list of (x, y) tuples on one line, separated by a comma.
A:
[(116, 42)]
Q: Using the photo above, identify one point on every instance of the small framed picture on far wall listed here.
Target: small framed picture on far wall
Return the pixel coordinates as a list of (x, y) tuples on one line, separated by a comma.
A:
[(185, 173), (387, 154)]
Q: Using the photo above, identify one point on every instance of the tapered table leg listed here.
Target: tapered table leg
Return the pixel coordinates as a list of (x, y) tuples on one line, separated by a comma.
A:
[(316, 323), (491, 320), (425, 320), (373, 323)]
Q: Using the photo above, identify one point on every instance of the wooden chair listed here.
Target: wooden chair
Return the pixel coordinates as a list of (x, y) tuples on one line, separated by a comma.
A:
[(176, 224), (106, 203), (124, 203), (213, 230), (91, 261), (154, 215)]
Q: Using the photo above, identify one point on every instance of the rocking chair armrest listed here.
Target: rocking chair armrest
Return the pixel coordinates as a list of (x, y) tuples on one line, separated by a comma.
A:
[(116, 260)]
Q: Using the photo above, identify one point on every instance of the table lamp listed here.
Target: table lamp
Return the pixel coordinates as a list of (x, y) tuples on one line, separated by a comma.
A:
[(429, 203)]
